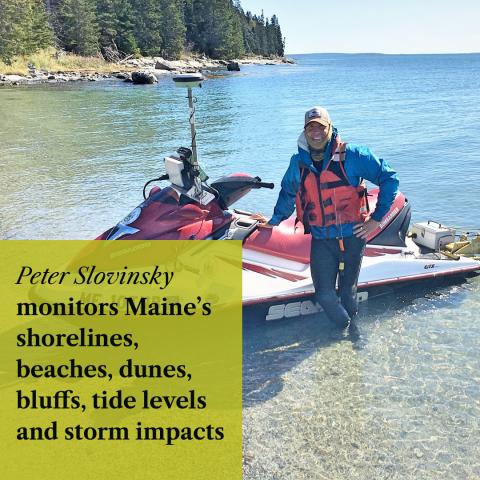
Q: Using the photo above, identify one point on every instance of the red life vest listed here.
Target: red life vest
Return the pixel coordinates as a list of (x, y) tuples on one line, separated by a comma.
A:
[(329, 198)]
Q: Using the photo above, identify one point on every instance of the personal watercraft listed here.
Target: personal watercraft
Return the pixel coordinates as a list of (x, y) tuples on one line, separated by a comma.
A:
[(276, 275)]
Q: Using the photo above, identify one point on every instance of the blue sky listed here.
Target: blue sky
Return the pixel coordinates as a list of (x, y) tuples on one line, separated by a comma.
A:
[(388, 26)]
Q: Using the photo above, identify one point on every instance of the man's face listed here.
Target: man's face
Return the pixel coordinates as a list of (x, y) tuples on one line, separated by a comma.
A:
[(316, 131)]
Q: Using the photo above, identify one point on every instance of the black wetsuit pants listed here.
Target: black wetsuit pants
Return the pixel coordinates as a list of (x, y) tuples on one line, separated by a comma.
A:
[(324, 263)]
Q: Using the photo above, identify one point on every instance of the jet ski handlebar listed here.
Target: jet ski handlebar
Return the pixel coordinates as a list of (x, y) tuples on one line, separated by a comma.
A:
[(265, 185)]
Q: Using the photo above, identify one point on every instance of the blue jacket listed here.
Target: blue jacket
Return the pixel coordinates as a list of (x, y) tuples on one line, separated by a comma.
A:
[(360, 163)]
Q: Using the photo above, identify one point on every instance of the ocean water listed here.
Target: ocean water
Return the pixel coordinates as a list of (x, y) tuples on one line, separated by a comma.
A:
[(399, 401)]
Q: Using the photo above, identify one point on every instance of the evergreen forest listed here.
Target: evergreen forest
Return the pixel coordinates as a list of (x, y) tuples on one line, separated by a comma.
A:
[(115, 29)]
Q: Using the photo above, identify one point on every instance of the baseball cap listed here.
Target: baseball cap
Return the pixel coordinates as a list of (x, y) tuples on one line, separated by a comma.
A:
[(317, 114)]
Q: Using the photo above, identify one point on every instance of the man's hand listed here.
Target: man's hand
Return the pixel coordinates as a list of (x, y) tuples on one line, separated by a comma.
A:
[(363, 230), (262, 220)]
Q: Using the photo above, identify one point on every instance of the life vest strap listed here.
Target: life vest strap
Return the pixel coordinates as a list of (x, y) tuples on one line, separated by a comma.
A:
[(342, 160), (340, 150), (338, 183), (364, 193)]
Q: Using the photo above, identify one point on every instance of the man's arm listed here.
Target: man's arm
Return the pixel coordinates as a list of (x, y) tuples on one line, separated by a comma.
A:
[(378, 171), (286, 198), (368, 166)]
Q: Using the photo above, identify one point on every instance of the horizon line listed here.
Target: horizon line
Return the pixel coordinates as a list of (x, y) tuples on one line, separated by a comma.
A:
[(384, 53)]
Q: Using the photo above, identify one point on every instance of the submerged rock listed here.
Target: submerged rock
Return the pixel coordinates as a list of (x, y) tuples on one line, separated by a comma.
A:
[(233, 67)]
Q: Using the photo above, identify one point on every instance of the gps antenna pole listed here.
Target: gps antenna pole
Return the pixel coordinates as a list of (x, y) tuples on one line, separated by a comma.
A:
[(192, 126), (190, 80)]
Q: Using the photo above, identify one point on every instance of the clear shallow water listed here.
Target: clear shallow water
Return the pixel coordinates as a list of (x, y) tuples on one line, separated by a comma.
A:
[(402, 400)]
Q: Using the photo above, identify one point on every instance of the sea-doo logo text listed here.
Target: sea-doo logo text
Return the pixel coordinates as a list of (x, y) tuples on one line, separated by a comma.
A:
[(290, 310), (388, 217), (297, 309)]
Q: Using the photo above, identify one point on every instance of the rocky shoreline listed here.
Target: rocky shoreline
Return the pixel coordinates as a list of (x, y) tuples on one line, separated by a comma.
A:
[(149, 67)]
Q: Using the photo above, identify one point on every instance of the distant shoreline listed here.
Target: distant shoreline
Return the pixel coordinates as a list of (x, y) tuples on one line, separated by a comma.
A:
[(123, 70)]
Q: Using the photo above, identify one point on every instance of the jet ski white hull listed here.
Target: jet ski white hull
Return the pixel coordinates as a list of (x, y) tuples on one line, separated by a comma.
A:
[(274, 282)]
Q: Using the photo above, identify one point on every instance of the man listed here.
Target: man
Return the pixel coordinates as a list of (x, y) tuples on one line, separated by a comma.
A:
[(325, 182)]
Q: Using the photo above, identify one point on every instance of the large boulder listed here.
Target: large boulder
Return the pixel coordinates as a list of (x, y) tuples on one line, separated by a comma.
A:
[(233, 67), (14, 78), (143, 78), (162, 64)]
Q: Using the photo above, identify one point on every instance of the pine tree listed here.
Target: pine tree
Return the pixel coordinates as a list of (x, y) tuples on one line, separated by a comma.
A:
[(24, 28), (173, 29), (78, 26), (107, 23), (261, 35), (8, 30), (218, 28), (51, 6), (269, 41), (147, 25), (227, 37), (38, 33), (116, 27), (125, 39), (199, 20), (249, 38), (279, 44), (238, 46)]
